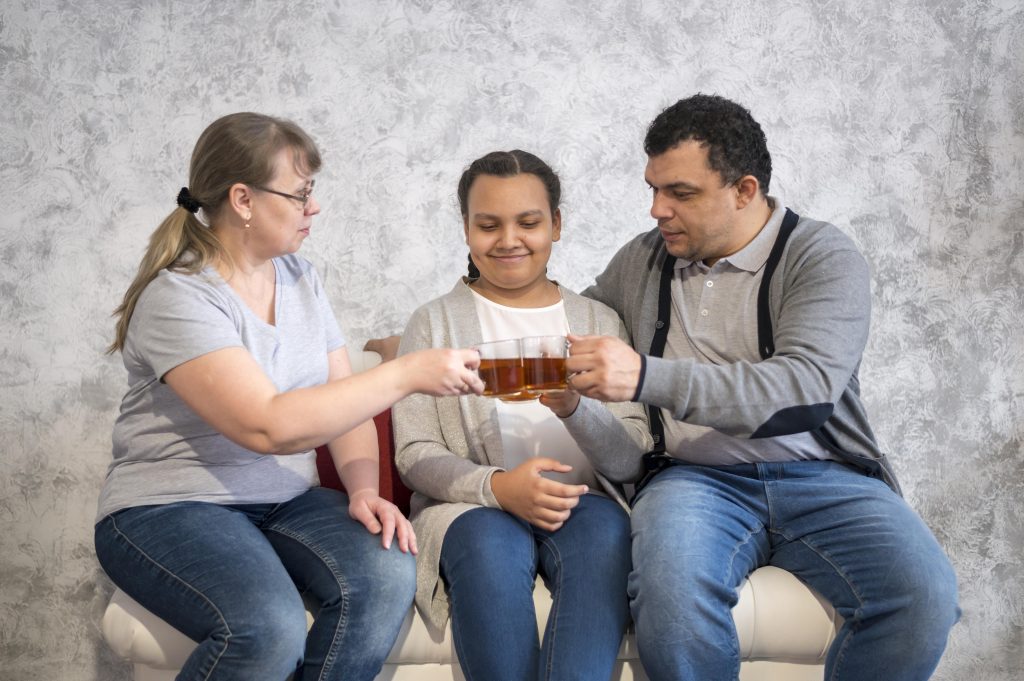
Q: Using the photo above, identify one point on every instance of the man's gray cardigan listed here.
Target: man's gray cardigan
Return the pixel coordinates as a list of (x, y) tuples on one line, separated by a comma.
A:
[(447, 448), (819, 303)]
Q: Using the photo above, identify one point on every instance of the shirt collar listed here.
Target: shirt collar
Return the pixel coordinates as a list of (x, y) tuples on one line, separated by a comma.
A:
[(754, 255)]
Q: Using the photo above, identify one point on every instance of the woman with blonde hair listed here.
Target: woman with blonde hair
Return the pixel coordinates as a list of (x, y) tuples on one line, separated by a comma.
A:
[(211, 515)]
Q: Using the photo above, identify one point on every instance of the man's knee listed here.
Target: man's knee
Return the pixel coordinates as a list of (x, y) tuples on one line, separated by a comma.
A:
[(932, 598)]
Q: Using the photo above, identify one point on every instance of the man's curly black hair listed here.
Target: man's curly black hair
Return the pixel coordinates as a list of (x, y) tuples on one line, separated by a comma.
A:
[(735, 142)]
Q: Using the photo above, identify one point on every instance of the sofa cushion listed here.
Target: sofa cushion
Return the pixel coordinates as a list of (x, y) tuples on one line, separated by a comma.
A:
[(777, 618)]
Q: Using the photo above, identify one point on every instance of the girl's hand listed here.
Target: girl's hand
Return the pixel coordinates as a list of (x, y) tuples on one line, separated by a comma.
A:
[(544, 503), (563, 403), (380, 516)]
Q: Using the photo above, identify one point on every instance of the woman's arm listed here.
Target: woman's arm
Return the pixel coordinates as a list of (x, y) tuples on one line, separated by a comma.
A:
[(230, 391), (357, 460), (423, 455)]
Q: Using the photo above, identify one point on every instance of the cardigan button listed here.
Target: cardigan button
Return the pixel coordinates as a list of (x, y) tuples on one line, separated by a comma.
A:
[(659, 324)]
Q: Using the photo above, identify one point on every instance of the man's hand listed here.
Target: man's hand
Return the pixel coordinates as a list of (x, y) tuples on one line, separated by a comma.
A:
[(541, 502), (603, 367)]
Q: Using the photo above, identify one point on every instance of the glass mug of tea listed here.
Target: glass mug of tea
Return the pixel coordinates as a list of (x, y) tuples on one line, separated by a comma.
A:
[(544, 363), (523, 369), (501, 369)]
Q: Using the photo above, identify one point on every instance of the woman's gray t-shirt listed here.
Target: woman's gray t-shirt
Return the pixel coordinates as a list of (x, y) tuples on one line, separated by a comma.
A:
[(163, 451)]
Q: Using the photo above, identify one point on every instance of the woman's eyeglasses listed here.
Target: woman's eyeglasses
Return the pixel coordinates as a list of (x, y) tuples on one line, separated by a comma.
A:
[(302, 198)]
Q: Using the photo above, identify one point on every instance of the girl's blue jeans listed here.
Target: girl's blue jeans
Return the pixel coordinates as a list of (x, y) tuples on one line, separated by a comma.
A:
[(490, 560)]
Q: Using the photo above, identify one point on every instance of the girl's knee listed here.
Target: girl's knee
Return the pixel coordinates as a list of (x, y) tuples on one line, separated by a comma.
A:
[(492, 538)]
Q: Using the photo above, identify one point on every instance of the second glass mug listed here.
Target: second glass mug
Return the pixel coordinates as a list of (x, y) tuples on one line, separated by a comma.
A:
[(517, 370)]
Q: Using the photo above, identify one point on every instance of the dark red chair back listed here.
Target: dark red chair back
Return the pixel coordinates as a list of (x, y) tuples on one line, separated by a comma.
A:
[(391, 486)]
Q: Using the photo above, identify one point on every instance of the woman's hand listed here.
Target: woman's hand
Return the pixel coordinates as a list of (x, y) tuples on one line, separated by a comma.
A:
[(380, 516), (563, 402), (544, 503), (442, 372)]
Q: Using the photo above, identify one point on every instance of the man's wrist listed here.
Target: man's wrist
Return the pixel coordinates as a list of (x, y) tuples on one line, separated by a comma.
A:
[(640, 378)]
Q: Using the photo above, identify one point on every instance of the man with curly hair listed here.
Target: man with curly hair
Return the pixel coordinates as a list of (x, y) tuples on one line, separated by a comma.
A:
[(748, 323)]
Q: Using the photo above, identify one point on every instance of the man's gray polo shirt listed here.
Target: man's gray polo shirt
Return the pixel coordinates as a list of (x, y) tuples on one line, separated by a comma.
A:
[(714, 320)]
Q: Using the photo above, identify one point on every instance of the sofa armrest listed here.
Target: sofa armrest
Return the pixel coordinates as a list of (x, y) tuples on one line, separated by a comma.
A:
[(362, 360)]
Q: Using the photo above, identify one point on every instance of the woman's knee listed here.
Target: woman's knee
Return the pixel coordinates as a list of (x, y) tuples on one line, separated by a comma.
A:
[(386, 577), (269, 629)]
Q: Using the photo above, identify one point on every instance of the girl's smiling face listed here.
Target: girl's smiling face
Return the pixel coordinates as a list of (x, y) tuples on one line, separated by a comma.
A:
[(509, 229)]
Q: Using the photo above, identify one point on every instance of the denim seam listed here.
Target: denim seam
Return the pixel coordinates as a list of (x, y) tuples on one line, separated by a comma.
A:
[(227, 639), (332, 653), (735, 634), (854, 625), (456, 636), (555, 602)]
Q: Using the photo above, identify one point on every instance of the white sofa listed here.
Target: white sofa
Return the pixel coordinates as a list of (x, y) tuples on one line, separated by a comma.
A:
[(784, 631)]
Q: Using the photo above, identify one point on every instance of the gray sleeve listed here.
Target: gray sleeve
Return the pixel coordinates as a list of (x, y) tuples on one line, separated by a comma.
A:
[(608, 287), (178, 318), (613, 436), (335, 339), (820, 333), (423, 457)]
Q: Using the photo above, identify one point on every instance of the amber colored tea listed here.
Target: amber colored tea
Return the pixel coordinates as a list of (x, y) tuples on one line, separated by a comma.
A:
[(524, 396), (501, 377), (544, 373)]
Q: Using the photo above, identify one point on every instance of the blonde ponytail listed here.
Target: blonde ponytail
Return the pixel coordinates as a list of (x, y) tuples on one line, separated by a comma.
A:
[(237, 148), (181, 243)]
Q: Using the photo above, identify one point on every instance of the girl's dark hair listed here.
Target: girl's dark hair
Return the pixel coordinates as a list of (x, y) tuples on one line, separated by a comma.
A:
[(735, 142), (507, 164)]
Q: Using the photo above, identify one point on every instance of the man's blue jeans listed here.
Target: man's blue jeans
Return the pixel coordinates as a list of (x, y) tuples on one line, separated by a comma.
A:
[(489, 562), (698, 531), (232, 578)]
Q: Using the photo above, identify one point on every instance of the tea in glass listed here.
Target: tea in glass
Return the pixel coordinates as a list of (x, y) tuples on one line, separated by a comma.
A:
[(501, 369), (544, 363)]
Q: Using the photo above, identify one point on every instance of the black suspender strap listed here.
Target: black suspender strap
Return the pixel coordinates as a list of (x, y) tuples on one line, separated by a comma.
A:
[(660, 338), (657, 460), (765, 333)]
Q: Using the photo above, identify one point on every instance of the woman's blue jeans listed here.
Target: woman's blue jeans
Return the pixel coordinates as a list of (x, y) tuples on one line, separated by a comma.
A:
[(490, 560), (698, 531), (232, 578)]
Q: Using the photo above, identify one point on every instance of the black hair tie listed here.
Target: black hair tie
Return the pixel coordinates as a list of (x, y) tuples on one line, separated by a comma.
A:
[(186, 201)]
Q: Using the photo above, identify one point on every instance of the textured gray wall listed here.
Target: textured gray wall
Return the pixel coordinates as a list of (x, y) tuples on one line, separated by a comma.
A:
[(901, 122)]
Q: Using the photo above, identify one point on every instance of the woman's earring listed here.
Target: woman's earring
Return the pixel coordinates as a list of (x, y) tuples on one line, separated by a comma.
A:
[(247, 218)]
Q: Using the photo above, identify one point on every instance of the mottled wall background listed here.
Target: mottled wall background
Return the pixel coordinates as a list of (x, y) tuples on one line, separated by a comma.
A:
[(901, 122)]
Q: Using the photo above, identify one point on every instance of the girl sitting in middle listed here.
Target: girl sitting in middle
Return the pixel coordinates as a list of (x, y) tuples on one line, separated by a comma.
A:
[(507, 490)]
